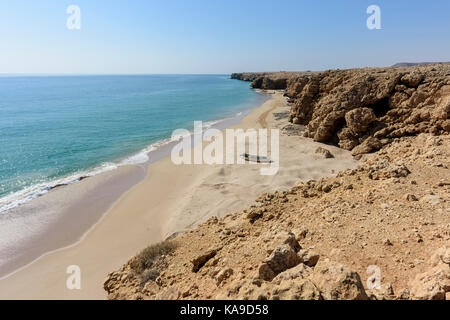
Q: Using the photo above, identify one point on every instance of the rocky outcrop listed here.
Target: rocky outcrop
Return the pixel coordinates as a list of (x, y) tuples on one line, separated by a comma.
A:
[(337, 281), (370, 107), (281, 259), (434, 283), (413, 64), (269, 80), (365, 108)]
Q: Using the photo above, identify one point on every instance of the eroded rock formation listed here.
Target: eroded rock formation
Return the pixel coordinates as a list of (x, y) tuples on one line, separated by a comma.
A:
[(364, 109)]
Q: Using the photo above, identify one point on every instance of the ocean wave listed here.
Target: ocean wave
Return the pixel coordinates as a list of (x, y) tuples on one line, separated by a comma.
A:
[(23, 196)]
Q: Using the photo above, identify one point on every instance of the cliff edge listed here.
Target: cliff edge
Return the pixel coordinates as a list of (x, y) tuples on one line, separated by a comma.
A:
[(364, 109)]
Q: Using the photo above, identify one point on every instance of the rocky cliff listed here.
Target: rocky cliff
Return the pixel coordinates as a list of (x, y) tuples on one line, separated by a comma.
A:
[(413, 64), (269, 80), (364, 109)]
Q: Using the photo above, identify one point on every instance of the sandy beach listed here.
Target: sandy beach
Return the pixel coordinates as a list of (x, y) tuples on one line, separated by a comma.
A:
[(169, 199)]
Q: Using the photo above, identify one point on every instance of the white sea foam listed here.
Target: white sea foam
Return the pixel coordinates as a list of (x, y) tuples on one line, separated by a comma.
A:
[(140, 157), (26, 195), (23, 196)]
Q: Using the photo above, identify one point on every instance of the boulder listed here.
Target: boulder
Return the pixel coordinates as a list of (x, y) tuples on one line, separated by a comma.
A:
[(308, 257), (301, 271), (223, 275), (170, 293), (281, 259), (202, 259), (324, 152), (359, 119), (433, 284), (371, 144), (299, 289), (296, 289), (412, 79), (386, 292), (150, 288), (337, 282), (289, 239)]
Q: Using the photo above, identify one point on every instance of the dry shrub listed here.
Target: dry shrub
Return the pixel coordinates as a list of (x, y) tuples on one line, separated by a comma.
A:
[(146, 258)]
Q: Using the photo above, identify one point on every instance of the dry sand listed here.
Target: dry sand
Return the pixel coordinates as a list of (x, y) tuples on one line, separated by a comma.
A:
[(172, 199)]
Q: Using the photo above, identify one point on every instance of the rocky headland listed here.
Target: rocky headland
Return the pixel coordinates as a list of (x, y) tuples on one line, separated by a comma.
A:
[(381, 231), (364, 109)]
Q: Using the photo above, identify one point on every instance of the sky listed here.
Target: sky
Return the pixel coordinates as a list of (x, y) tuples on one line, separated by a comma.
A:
[(217, 36)]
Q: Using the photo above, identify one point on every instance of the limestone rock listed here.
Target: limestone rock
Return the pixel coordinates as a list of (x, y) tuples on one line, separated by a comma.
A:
[(170, 293), (301, 271), (282, 258), (369, 145), (348, 106), (326, 153), (223, 275), (431, 199), (412, 79), (150, 288), (300, 289), (287, 238), (358, 120), (309, 257), (432, 284), (200, 261), (336, 281), (265, 272), (386, 292)]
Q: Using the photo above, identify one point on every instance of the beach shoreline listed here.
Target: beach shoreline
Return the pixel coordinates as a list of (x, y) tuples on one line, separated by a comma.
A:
[(62, 201), (168, 200)]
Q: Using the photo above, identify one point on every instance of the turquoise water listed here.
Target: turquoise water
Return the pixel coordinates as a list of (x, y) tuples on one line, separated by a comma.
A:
[(55, 129)]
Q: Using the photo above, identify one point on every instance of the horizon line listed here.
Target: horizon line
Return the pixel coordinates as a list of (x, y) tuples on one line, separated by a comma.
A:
[(226, 73), (107, 74)]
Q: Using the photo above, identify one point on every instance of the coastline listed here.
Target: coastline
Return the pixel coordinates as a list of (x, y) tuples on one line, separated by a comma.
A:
[(92, 195), (166, 201)]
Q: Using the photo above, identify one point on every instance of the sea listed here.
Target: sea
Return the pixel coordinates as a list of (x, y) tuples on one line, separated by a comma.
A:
[(57, 130)]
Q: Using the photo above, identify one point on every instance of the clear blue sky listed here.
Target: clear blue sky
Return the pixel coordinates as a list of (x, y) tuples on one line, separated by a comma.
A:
[(218, 36)]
